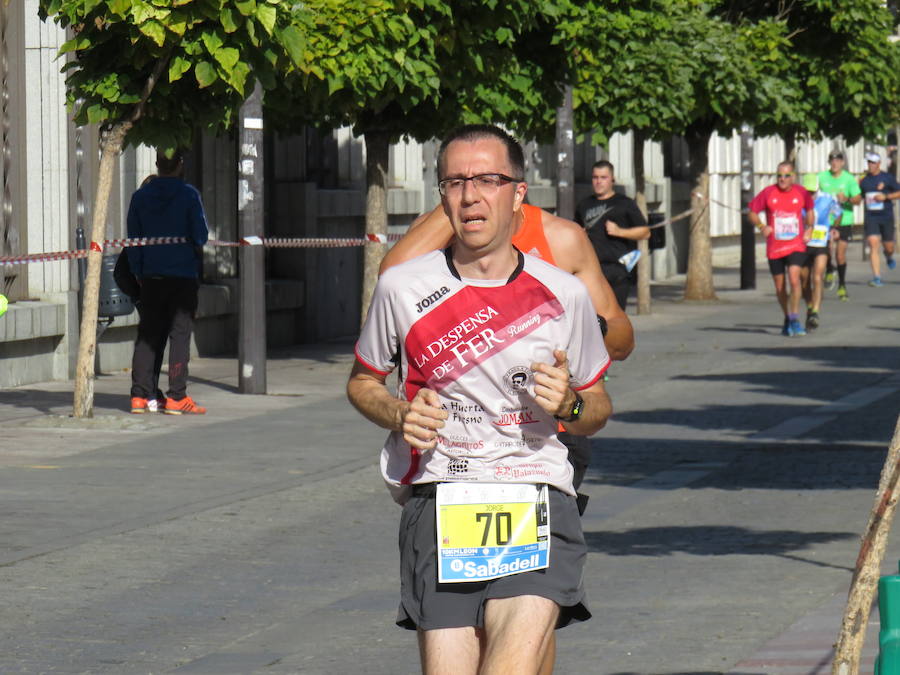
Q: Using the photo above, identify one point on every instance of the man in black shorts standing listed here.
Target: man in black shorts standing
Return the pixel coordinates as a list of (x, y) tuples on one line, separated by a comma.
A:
[(506, 348), (615, 225), (790, 216)]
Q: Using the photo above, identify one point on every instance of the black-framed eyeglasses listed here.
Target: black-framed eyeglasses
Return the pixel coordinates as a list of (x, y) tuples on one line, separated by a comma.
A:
[(485, 183), (784, 175)]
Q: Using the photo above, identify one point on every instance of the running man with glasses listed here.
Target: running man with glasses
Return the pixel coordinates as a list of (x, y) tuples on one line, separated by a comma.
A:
[(790, 217), (496, 348)]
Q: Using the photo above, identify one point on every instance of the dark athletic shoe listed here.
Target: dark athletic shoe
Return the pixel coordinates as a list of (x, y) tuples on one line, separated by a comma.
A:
[(812, 321)]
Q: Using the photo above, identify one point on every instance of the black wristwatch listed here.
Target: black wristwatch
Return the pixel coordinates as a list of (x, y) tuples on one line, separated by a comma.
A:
[(603, 326), (577, 407)]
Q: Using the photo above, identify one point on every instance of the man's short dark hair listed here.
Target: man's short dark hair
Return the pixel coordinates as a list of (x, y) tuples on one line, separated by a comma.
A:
[(476, 132), (168, 165), (604, 164), (789, 163)]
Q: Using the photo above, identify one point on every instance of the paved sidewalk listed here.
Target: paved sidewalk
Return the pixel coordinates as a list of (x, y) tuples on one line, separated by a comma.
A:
[(38, 432)]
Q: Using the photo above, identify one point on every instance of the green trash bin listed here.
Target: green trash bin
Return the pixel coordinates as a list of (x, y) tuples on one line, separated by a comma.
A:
[(888, 661)]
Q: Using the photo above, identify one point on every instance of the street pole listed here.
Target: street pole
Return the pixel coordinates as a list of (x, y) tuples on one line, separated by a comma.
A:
[(252, 279), (748, 231), (565, 153)]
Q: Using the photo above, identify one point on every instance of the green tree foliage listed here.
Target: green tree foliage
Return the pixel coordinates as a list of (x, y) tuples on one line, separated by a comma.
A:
[(839, 60), (212, 52)]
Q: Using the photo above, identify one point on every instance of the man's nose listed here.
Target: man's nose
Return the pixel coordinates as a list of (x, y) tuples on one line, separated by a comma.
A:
[(470, 193)]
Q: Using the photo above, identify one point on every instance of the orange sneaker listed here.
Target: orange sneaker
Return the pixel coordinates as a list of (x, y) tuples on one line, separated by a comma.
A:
[(185, 406), (138, 405)]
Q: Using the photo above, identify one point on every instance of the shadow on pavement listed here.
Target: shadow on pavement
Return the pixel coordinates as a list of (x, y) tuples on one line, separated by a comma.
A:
[(50, 402), (850, 356), (707, 540), (766, 465), (745, 328)]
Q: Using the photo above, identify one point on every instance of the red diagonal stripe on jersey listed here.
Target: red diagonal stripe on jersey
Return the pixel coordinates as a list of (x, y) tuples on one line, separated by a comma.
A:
[(473, 325)]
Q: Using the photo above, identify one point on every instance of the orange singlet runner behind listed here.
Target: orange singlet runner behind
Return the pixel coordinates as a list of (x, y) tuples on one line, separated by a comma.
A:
[(529, 238)]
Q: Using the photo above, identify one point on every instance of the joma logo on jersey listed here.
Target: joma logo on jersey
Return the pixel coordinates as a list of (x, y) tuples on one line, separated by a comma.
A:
[(509, 419), (429, 300)]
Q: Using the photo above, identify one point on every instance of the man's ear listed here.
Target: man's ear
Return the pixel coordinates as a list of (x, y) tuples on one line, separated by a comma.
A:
[(521, 191)]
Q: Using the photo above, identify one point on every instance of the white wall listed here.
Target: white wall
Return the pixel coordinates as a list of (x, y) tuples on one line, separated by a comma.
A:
[(46, 144)]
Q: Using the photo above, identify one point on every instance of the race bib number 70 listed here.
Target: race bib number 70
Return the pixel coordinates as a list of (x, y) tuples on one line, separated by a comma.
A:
[(491, 530)]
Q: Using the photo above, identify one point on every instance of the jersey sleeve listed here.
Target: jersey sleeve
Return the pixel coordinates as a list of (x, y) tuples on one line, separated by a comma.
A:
[(378, 340), (758, 203), (587, 355), (853, 188), (635, 217)]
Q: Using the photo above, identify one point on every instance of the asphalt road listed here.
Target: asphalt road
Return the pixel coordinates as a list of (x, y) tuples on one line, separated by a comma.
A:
[(727, 499)]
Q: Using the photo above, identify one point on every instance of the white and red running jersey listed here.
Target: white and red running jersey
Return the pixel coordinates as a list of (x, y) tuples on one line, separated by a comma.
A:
[(473, 342)]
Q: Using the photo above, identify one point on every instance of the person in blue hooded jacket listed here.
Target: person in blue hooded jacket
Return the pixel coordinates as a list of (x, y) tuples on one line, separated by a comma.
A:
[(168, 275)]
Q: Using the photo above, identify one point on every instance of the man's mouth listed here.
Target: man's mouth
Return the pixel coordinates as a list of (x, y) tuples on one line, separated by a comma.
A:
[(473, 221)]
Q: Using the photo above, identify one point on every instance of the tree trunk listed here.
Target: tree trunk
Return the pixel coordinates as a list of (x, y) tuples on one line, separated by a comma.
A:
[(565, 152), (868, 565), (699, 284), (377, 146), (87, 341), (790, 149), (87, 345), (640, 196)]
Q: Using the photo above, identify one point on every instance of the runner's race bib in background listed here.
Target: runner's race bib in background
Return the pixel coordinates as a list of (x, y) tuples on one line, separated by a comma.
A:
[(819, 236), (872, 204), (491, 530), (787, 226)]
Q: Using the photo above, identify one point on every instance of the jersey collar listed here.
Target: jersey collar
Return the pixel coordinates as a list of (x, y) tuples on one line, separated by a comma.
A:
[(448, 255)]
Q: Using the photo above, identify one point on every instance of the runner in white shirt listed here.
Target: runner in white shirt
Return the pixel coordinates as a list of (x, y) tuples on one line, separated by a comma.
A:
[(484, 337)]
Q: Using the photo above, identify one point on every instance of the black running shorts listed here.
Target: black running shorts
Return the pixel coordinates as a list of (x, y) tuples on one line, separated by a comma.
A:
[(778, 265)]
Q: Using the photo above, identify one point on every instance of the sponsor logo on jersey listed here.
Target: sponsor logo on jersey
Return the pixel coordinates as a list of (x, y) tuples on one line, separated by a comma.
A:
[(429, 300), (510, 418), (460, 445), (465, 413), (517, 379), (520, 471), (473, 325), (457, 466)]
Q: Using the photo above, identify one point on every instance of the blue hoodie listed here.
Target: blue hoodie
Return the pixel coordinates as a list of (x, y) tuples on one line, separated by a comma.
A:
[(166, 207)]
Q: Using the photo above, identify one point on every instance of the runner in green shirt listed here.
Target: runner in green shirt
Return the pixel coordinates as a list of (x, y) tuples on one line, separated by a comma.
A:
[(843, 186)]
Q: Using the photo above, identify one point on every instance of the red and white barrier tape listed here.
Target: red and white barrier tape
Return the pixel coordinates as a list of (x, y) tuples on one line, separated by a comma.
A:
[(269, 242)]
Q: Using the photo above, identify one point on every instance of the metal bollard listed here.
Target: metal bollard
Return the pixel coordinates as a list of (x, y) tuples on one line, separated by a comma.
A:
[(888, 661)]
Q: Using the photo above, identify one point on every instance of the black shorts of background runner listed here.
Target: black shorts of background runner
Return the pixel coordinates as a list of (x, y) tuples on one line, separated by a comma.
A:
[(880, 227), (778, 265), (426, 604), (620, 280), (812, 252), (846, 233)]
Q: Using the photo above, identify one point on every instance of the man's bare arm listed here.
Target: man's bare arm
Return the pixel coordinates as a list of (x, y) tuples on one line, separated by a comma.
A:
[(574, 253), (429, 232), (419, 419), (553, 393), (633, 233)]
